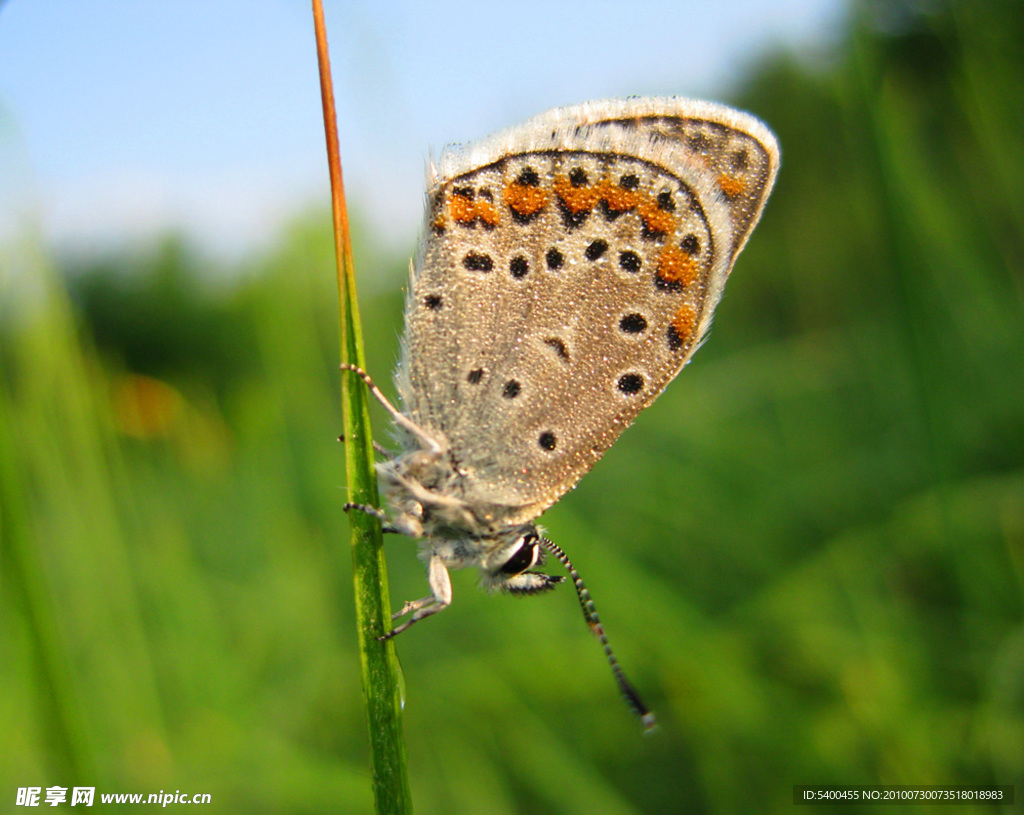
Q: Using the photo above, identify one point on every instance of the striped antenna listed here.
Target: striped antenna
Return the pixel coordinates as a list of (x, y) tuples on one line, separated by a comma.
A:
[(590, 614)]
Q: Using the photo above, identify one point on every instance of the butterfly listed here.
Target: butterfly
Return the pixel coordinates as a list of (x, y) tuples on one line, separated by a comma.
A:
[(569, 268)]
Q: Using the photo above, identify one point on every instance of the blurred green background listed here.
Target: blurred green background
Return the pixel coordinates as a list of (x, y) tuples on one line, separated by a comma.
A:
[(809, 553)]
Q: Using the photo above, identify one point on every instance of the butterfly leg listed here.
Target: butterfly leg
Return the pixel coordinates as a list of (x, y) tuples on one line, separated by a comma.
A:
[(366, 509), (412, 605), (379, 449), (379, 514), (400, 418), (439, 600)]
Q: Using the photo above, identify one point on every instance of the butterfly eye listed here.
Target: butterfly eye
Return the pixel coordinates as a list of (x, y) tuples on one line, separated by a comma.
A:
[(523, 557)]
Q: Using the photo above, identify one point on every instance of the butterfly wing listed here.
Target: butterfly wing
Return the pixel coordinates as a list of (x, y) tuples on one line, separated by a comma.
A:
[(569, 269)]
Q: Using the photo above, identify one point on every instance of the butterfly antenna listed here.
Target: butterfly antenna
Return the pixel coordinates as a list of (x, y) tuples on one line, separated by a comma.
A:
[(630, 693)]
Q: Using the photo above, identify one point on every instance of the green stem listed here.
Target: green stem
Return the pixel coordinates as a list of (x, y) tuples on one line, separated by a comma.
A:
[(381, 687)]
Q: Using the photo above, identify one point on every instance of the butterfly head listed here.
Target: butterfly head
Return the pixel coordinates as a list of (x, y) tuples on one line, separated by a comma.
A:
[(508, 568)]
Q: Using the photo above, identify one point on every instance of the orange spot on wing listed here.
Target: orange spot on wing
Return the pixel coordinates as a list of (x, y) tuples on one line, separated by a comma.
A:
[(525, 199), (465, 210), (487, 213), (656, 219), (683, 322), (462, 209), (731, 185), (576, 199), (675, 266), (617, 198)]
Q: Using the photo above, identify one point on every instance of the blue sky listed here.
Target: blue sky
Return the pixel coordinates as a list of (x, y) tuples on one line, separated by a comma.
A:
[(121, 118)]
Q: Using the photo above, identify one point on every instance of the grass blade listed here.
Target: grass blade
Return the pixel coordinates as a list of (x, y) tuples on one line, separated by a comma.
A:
[(379, 665)]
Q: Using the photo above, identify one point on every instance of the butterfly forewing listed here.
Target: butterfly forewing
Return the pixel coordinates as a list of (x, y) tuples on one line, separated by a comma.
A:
[(742, 164), (560, 288)]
